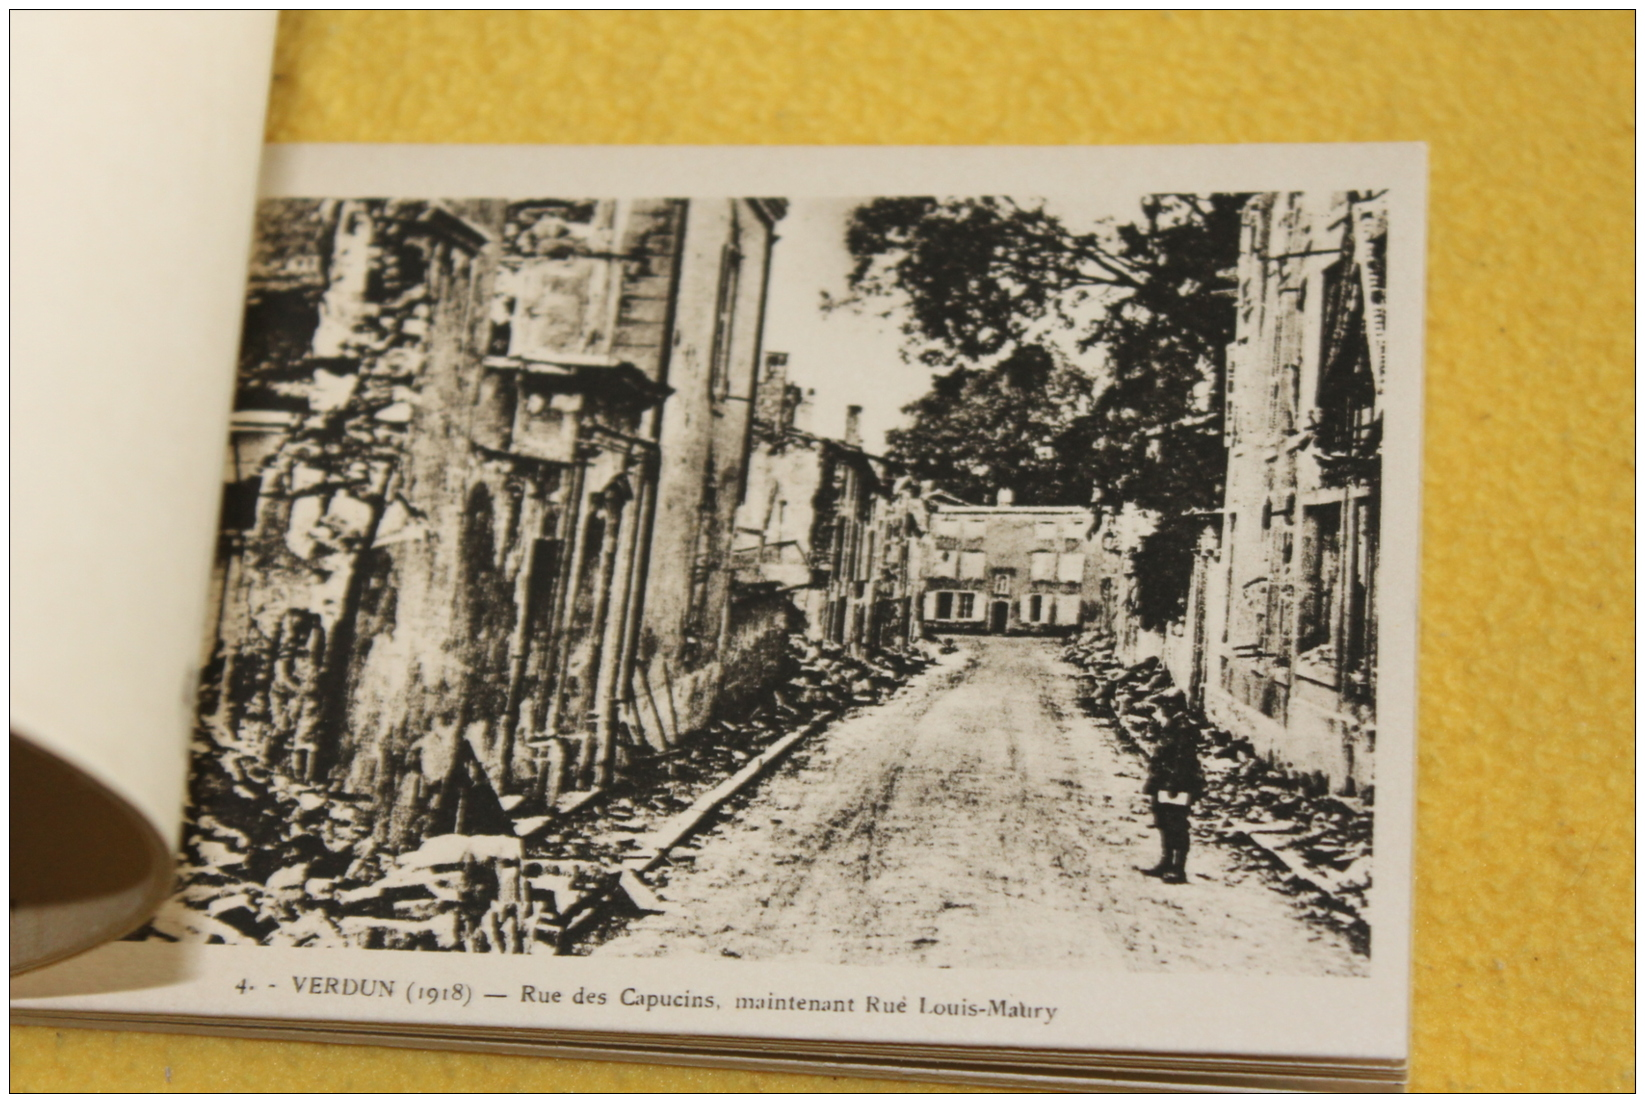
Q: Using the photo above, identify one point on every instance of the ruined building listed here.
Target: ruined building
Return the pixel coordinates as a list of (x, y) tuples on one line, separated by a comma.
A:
[(1286, 606), (1128, 547), (1280, 635), (484, 465), (835, 526), (679, 665), (1277, 641)]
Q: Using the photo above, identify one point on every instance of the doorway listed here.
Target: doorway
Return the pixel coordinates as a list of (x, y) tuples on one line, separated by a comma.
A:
[(999, 616)]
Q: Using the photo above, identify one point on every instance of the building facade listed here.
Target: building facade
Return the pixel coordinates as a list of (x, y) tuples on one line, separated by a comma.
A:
[(683, 621), (457, 480), (1007, 569), (1276, 636), (1286, 597)]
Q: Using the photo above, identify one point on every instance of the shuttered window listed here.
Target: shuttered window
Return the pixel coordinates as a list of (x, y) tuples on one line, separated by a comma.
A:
[(1071, 567)]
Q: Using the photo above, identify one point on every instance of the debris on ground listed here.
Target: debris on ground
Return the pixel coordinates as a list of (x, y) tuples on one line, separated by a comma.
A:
[(1320, 842), (272, 860)]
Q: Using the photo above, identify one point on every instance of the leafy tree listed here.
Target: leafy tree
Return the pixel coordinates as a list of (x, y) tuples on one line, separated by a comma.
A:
[(1154, 434), (980, 429), (977, 277), (979, 280)]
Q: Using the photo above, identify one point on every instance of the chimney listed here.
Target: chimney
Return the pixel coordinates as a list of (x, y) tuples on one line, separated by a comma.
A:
[(1005, 497), (770, 411), (801, 402), (853, 425)]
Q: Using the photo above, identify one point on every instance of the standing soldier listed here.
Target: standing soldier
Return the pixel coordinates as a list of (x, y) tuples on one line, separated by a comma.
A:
[(1175, 782)]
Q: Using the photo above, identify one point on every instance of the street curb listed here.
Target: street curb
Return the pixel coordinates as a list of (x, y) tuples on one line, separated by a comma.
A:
[(655, 848), (629, 881)]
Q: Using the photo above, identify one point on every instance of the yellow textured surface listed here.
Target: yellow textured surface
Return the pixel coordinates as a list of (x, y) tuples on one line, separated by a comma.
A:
[(1524, 941)]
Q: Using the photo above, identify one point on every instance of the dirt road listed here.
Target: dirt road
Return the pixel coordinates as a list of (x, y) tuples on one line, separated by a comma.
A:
[(979, 820)]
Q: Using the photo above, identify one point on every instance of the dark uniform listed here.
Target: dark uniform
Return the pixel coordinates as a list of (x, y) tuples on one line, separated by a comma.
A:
[(1175, 782)]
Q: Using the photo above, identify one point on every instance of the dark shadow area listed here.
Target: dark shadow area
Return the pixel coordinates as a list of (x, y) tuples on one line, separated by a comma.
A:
[(85, 867)]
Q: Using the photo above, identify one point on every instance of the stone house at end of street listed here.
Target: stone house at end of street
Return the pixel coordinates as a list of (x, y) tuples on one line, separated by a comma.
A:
[(1007, 569)]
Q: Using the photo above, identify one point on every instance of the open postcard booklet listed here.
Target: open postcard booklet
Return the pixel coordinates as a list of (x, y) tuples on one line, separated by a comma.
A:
[(941, 613)]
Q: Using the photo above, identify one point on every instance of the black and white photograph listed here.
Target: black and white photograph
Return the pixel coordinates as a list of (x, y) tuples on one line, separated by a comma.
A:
[(977, 582)]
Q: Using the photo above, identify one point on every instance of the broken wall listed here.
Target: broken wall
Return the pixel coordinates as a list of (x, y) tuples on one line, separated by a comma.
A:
[(443, 548), (338, 598), (756, 651)]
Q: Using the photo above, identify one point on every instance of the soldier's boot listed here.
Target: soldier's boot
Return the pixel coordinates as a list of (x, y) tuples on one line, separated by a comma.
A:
[(1163, 866), (1177, 872)]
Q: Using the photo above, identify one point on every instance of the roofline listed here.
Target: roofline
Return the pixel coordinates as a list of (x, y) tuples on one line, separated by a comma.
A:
[(1060, 510)]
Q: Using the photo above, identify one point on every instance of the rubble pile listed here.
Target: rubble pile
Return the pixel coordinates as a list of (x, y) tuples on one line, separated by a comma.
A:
[(265, 854), (1322, 840), (827, 678), (1319, 839), (272, 860)]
